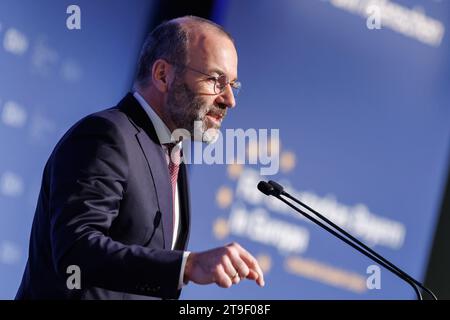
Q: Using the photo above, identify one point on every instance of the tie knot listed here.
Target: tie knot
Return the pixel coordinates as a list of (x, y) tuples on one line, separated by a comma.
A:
[(174, 150)]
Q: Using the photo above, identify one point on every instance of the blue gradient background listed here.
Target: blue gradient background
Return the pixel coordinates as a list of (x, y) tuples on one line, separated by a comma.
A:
[(366, 113)]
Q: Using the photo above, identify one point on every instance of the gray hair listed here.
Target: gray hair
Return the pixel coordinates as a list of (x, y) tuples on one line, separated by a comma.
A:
[(168, 41)]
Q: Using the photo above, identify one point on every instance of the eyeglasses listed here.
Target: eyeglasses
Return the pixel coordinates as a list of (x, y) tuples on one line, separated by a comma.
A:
[(220, 82)]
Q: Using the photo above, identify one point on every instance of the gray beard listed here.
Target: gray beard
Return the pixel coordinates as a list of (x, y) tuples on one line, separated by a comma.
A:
[(188, 110)]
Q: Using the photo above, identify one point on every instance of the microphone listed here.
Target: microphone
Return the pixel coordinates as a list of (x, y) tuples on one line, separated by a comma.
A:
[(265, 188), (273, 188)]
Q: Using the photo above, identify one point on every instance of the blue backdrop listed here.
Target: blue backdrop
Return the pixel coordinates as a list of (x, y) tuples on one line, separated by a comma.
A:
[(363, 118), (364, 129)]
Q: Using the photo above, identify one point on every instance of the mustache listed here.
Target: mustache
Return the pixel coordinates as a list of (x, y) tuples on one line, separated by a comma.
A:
[(217, 112)]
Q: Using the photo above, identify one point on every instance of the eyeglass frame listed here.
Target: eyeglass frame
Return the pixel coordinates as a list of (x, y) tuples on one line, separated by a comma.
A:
[(235, 85)]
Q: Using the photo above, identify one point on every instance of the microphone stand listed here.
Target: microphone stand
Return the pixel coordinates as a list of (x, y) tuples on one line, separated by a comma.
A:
[(276, 190)]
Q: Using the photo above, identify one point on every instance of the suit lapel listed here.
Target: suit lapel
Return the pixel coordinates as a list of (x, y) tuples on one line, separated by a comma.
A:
[(185, 222), (158, 168), (156, 160)]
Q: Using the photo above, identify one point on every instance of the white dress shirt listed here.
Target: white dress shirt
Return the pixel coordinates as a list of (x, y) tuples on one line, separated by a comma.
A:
[(165, 136)]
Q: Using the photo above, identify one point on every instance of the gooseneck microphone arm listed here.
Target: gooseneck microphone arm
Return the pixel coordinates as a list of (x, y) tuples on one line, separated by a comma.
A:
[(279, 189), (353, 245), (274, 189)]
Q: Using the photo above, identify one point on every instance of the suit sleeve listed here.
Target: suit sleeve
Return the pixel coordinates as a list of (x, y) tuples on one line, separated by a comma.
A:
[(88, 179)]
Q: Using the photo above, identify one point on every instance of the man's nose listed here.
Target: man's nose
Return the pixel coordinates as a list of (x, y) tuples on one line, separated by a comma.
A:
[(227, 97)]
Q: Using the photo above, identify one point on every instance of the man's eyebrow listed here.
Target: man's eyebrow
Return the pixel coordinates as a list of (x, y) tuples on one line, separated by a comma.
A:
[(220, 72), (216, 70)]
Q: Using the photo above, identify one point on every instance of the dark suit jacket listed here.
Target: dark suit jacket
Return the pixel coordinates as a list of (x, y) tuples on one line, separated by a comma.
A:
[(105, 205)]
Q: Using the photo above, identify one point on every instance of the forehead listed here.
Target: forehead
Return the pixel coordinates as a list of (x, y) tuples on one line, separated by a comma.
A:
[(212, 51)]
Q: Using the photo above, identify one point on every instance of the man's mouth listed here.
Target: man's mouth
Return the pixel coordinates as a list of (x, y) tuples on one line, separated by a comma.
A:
[(215, 119)]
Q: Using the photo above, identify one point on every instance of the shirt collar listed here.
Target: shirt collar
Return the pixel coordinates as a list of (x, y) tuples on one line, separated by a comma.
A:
[(163, 133)]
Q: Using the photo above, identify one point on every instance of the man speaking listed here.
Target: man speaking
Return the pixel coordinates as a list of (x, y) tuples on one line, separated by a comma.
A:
[(114, 204)]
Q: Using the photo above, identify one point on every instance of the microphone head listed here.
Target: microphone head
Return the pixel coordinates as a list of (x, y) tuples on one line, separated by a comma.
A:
[(265, 188), (278, 188)]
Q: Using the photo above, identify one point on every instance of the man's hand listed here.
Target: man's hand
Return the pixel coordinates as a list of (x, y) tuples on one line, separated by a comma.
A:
[(224, 266)]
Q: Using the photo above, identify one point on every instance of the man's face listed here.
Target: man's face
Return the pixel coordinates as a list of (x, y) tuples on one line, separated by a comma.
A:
[(191, 96)]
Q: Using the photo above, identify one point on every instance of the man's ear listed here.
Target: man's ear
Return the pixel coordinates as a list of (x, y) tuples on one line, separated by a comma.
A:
[(161, 75)]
